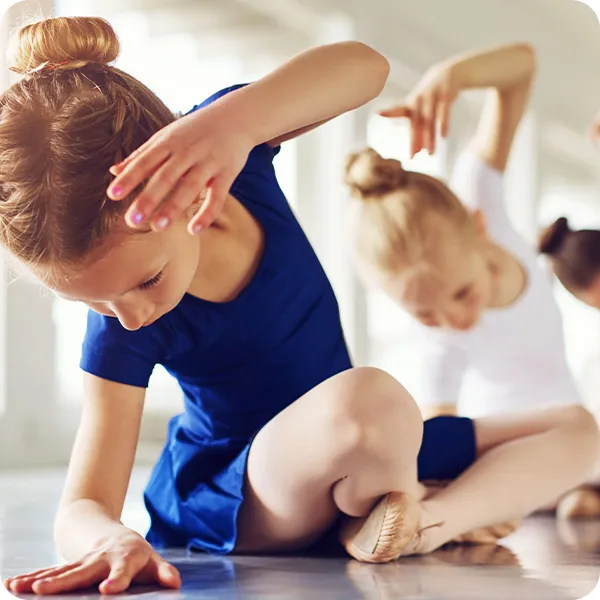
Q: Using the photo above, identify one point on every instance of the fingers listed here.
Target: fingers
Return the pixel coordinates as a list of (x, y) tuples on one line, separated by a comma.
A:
[(137, 171), (118, 168), (429, 122), (23, 584), (165, 574), (187, 192), (444, 115), (121, 574), (416, 122), (395, 112), (213, 205), (77, 578), (172, 175)]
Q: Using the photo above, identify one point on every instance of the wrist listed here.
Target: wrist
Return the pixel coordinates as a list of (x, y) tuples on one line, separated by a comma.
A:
[(232, 118)]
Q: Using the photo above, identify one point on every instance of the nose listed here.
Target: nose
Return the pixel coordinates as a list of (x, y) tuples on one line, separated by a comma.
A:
[(459, 322), (132, 315)]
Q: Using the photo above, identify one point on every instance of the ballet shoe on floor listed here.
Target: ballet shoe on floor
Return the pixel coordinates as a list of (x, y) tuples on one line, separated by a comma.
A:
[(583, 503), (392, 529), (487, 535)]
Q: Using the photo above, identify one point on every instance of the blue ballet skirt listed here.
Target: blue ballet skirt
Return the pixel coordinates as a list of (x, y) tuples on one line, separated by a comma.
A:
[(239, 364)]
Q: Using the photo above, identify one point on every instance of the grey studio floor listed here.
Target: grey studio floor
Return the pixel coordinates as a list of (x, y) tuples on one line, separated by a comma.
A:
[(542, 560)]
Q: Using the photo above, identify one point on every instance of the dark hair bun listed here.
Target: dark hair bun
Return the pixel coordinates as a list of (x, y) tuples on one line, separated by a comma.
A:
[(553, 237)]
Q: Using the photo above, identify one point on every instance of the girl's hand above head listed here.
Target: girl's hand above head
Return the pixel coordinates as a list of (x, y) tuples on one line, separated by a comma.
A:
[(428, 108), (201, 152), (113, 566)]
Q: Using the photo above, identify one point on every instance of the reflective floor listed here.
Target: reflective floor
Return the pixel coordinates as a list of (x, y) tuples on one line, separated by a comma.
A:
[(542, 560)]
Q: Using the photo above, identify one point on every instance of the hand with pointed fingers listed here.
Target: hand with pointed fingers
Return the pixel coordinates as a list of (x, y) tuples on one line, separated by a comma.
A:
[(114, 566), (428, 108), (201, 153)]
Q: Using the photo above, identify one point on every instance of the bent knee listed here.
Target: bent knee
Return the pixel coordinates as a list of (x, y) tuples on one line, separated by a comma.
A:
[(372, 402), (579, 417), (583, 424)]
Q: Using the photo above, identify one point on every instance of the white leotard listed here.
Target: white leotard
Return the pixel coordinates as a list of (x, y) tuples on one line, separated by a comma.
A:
[(515, 357)]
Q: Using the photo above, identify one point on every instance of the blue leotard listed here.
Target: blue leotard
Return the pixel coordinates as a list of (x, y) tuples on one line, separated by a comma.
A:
[(240, 363)]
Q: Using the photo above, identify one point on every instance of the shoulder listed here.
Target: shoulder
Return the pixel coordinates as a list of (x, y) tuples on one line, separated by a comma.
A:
[(112, 352)]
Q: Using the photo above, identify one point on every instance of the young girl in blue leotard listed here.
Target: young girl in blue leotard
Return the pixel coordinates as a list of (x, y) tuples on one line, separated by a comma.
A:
[(280, 437)]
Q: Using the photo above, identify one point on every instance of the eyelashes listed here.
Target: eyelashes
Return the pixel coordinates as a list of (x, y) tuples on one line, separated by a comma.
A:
[(152, 282)]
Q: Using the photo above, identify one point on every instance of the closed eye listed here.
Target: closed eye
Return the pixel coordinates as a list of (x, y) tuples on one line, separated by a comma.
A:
[(463, 292), (151, 282)]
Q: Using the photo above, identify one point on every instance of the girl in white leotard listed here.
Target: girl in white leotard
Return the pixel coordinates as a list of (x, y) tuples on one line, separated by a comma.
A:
[(488, 330)]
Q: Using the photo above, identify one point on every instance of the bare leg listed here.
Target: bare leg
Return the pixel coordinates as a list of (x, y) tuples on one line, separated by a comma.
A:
[(525, 461), (339, 448), (443, 410)]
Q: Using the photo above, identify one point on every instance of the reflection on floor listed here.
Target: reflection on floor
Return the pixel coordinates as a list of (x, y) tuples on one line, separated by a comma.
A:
[(542, 560)]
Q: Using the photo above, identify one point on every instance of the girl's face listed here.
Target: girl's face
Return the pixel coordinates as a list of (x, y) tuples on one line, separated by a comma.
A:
[(141, 278), (451, 289)]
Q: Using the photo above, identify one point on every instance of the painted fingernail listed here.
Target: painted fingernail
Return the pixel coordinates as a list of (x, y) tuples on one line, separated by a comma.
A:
[(116, 191), (197, 228), (137, 218), (161, 223)]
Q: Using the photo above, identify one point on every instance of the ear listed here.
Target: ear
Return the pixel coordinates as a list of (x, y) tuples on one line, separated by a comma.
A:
[(480, 223)]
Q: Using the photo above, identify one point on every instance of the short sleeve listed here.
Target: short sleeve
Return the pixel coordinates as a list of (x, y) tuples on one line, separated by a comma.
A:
[(440, 372), (111, 352), (262, 156), (479, 186)]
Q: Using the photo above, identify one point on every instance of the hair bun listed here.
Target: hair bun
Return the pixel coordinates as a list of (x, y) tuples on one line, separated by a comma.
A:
[(63, 43), (369, 175), (553, 237)]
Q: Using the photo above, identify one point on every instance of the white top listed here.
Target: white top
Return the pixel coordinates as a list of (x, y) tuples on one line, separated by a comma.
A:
[(515, 356)]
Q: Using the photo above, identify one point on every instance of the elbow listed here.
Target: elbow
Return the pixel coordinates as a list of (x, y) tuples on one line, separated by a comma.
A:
[(528, 59), (372, 69)]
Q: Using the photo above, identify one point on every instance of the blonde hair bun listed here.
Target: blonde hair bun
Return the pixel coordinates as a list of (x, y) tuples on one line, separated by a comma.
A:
[(369, 175), (63, 43)]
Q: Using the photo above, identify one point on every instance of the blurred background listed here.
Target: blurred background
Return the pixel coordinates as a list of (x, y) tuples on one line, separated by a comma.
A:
[(187, 49)]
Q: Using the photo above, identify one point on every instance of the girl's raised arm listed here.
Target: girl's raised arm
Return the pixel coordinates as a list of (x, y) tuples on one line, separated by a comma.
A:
[(208, 148), (508, 71)]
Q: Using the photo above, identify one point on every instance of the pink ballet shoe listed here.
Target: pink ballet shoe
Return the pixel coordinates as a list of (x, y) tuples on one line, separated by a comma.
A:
[(391, 530), (488, 535)]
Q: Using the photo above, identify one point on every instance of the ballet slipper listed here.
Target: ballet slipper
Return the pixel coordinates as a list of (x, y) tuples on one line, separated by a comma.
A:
[(487, 535), (583, 503), (392, 529)]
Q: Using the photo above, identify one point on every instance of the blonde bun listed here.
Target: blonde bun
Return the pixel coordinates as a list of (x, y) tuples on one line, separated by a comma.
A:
[(63, 43), (369, 175)]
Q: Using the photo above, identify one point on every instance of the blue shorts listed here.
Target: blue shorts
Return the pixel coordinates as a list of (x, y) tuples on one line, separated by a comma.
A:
[(448, 448)]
